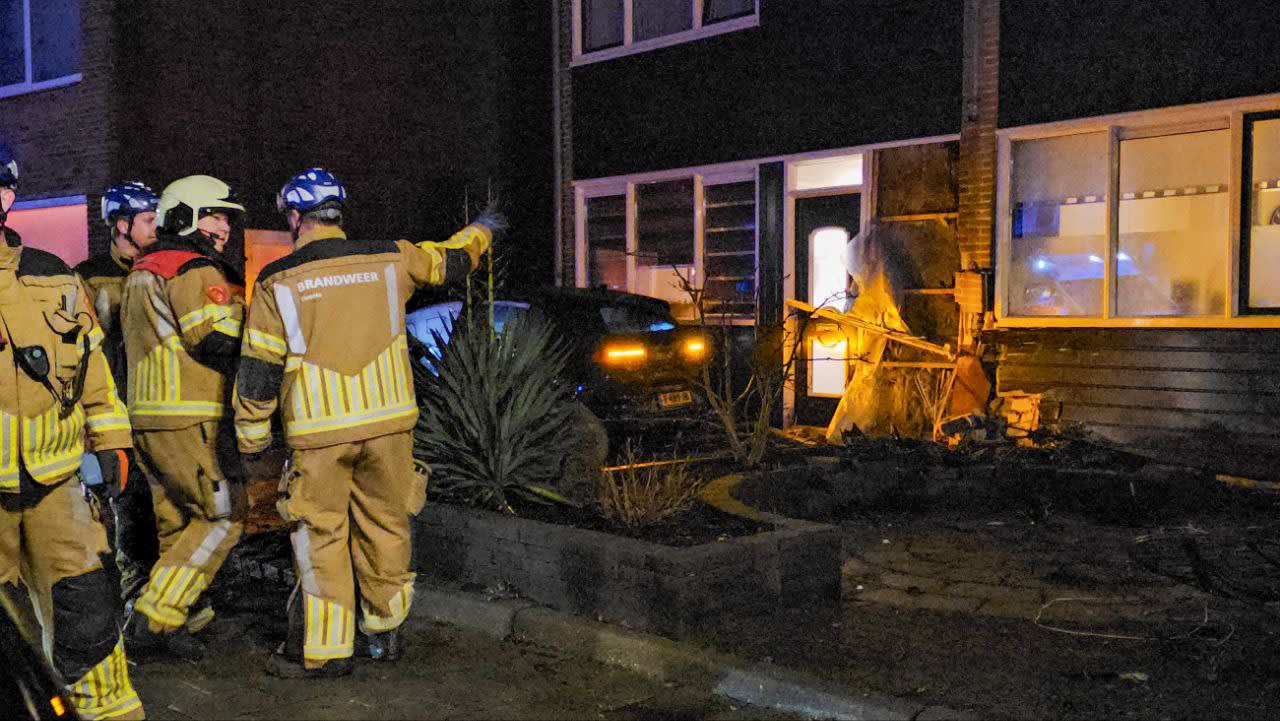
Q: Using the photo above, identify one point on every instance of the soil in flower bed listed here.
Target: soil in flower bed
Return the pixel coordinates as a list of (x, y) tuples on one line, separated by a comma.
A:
[(698, 525)]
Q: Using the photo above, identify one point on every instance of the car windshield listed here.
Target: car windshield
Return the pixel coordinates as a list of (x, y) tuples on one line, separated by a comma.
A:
[(435, 323), (631, 318)]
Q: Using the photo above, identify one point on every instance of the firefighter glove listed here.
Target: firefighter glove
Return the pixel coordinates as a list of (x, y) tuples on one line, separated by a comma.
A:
[(493, 218), (115, 471)]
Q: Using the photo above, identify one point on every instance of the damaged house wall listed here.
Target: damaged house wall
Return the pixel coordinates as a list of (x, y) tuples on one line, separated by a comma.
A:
[(916, 199)]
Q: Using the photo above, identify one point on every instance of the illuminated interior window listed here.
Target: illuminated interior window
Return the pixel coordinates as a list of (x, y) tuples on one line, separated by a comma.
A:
[(262, 247), (60, 226), (828, 277), (1174, 222), (1059, 208), (838, 172), (828, 364), (1264, 221)]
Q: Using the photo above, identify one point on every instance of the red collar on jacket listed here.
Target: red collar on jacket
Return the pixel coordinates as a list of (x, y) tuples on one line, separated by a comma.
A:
[(165, 263)]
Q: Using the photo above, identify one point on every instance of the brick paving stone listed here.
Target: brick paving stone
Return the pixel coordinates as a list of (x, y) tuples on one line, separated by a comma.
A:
[(997, 593), (907, 582), (1006, 608), (1079, 614), (926, 601), (913, 567), (966, 574), (885, 557), (853, 568)]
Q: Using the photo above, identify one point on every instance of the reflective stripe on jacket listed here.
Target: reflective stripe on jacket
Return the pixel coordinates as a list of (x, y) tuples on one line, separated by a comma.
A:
[(43, 305), (325, 339), (183, 322)]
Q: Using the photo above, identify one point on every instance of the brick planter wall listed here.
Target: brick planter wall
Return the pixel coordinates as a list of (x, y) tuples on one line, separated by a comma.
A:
[(639, 584)]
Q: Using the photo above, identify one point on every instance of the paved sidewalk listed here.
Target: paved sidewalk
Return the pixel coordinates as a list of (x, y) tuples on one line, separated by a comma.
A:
[(1062, 573), (448, 673)]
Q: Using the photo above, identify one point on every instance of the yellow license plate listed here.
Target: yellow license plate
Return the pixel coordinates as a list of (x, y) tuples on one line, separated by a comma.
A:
[(678, 398)]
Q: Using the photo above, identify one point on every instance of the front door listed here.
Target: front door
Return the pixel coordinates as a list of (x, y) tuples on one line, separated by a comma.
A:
[(823, 225)]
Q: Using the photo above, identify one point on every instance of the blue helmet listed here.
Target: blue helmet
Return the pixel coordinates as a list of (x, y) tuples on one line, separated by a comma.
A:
[(127, 199), (309, 190), (8, 168)]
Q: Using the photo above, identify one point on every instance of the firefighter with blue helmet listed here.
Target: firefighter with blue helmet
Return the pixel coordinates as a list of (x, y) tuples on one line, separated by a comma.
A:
[(325, 347), (58, 393), (129, 212)]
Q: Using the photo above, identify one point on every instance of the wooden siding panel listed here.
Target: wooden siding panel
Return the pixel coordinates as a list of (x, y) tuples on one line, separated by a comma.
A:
[(1202, 397)]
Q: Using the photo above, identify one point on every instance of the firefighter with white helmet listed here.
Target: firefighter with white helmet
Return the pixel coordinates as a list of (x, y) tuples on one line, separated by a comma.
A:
[(182, 311), (59, 393), (325, 345)]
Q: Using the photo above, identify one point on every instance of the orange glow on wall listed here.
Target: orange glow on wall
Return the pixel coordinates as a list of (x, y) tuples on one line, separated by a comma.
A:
[(260, 248), (62, 230)]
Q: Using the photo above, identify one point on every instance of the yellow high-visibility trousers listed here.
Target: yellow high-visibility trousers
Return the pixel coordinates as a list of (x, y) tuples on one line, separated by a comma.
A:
[(351, 504), (50, 541), (198, 492)]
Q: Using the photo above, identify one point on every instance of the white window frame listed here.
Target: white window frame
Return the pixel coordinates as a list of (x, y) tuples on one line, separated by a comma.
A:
[(27, 85), (55, 202), (630, 46), (1227, 114), (626, 185)]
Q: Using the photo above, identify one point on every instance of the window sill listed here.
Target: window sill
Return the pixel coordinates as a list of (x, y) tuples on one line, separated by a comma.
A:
[(720, 28), (9, 91), (1241, 322)]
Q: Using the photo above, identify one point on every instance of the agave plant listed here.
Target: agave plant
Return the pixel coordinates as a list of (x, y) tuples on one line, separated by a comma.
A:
[(494, 413)]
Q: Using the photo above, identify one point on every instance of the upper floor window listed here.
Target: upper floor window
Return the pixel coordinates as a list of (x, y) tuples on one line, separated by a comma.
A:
[(39, 44), (606, 29)]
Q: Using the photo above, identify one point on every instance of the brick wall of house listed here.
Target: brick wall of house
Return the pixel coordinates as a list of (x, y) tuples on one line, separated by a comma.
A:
[(977, 164), (565, 232), (416, 110), (64, 137)]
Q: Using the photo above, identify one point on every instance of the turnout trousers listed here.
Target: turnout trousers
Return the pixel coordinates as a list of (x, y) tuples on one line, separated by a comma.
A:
[(350, 505), (50, 541), (200, 502)]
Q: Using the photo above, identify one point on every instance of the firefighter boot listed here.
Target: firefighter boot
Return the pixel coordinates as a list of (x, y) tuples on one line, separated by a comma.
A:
[(287, 661), (147, 643), (384, 646)]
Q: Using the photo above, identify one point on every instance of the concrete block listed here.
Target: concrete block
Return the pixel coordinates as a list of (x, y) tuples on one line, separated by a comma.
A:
[(465, 610), (770, 688)]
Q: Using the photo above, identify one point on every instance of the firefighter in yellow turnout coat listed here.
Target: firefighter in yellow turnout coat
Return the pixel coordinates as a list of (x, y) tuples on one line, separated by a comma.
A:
[(183, 315), (325, 344), (129, 211), (58, 390)]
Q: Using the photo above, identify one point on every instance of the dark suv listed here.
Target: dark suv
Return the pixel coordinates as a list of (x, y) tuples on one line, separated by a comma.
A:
[(628, 358)]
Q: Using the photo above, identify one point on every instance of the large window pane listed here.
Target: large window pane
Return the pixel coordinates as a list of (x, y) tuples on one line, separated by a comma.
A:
[(664, 242), (1172, 254), (55, 38), (607, 242), (1264, 220), (729, 255), (13, 63), (1059, 238), (716, 10), (601, 24), (655, 18)]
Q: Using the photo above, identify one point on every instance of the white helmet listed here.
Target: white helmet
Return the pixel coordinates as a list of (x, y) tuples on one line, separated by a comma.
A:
[(185, 200)]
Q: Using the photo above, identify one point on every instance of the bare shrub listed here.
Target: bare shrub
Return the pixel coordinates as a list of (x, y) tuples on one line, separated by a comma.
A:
[(642, 494)]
